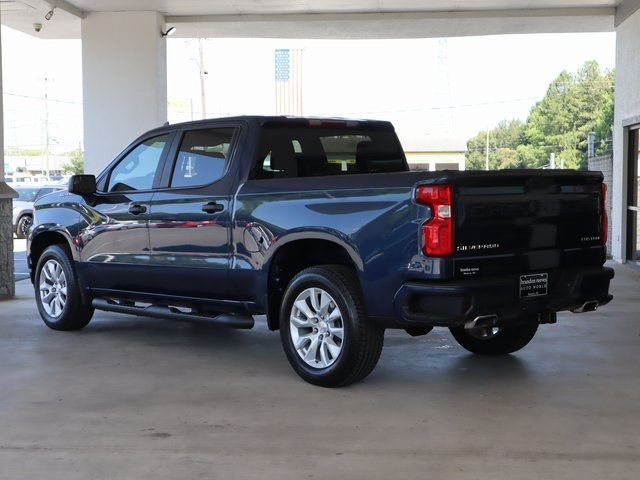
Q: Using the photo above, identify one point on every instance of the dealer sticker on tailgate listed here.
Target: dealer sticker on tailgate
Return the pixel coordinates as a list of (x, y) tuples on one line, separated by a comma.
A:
[(533, 285)]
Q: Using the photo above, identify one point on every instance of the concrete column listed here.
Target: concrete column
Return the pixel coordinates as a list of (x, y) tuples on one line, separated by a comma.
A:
[(7, 279), (627, 110), (124, 72)]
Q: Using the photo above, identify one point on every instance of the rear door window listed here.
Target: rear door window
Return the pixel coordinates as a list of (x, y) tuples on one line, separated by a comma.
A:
[(202, 157)]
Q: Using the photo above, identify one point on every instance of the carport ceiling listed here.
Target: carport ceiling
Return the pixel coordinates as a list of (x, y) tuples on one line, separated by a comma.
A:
[(250, 7), (326, 18)]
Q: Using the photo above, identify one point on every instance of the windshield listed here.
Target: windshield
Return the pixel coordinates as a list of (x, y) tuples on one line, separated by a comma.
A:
[(287, 152), (27, 194)]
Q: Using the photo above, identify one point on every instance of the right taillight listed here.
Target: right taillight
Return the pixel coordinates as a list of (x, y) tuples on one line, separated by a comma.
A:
[(437, 232), (604, 223)]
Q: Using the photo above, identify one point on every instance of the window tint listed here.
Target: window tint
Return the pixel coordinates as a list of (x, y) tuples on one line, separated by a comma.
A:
[(137, 170), (202, 157), (317, 151)]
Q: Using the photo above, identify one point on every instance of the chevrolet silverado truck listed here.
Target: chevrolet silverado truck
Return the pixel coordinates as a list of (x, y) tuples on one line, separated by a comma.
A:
[(320, 225)]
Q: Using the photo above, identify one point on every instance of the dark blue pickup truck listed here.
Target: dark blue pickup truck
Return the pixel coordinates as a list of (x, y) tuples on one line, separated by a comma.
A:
[(320, 225)]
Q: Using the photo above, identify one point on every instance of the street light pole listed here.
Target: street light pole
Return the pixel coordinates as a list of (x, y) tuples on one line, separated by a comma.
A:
[(486, 161), (203, 72), (46, 124)]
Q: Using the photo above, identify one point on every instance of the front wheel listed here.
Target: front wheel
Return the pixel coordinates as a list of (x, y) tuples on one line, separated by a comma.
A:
[(495, 340), (58, 292), (23, 227), (325, 334)]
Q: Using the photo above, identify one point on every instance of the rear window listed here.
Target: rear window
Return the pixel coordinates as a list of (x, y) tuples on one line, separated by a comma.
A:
[(287, 152)]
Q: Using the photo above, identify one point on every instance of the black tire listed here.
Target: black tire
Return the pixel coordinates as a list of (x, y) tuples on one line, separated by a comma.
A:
[(507, 340), (75, 315), (24, 224), (362, 342)]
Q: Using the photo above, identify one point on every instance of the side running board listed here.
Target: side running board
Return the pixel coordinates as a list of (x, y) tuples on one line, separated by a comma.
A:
[(172, 313)]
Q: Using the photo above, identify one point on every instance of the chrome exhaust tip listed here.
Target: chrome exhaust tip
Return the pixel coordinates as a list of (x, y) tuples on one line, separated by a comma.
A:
[(482, 321), (589, 306)]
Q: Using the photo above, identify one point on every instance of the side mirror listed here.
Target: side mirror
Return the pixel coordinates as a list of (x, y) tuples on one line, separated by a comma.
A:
[(82, 184)]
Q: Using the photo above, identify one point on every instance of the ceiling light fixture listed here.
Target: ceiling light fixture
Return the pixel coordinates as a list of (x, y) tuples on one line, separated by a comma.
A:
[(49, 15)]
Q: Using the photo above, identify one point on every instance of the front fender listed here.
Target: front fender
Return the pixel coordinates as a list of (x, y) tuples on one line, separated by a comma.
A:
[(42, 229)]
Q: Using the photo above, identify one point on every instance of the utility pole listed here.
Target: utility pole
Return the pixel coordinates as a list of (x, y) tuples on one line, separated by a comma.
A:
[(591, 144), (203, 72), (46, 124), (486, 164)]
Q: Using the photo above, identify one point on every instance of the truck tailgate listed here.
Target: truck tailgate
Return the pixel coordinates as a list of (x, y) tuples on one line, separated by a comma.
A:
[(526, 221)]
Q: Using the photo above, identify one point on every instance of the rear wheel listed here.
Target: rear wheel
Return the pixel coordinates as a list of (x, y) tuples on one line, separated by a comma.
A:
[(495, 340), (325, 334), (58, 292)]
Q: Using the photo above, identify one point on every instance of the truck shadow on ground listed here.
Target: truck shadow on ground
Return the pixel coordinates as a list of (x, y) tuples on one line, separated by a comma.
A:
[(405, 361)]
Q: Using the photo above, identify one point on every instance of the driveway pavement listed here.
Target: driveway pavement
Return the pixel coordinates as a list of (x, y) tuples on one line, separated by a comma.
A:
[(20, 259), (136, 398)]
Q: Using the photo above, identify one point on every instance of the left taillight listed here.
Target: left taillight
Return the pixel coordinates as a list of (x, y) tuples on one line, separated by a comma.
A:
[(604, 222), (437, 232)]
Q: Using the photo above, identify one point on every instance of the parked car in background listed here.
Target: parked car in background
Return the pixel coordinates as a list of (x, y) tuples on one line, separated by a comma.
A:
[(14, 180), (23, 206), (60, 180), (320, 225), (35, 180)]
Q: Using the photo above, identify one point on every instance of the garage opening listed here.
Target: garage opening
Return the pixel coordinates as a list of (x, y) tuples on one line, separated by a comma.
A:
[(633, 195)]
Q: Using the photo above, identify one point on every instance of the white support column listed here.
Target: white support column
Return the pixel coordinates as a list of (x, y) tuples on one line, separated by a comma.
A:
[(7, 279), (124, 68), (627, 110)]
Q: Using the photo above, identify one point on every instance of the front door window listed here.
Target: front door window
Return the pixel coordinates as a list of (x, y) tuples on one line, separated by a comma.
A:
[(137, 169)]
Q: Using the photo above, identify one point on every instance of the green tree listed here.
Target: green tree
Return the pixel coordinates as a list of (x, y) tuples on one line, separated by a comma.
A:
[(503, 143), (24, 152), (75, 165), (574, 105)]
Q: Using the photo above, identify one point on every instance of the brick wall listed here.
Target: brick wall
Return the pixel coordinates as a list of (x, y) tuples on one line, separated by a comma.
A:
[(604, 164), (7, 285)]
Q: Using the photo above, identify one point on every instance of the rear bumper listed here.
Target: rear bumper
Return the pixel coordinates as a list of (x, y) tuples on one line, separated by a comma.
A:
[(453, 303)]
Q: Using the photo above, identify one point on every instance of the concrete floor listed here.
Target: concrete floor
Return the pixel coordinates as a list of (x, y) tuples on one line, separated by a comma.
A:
[(131, 398)]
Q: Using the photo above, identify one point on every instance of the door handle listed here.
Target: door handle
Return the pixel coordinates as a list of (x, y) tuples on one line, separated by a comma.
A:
[(136, 209), (212, 207)]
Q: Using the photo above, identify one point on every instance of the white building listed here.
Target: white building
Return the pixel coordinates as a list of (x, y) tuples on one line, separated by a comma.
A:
[(35, 164), (435, 154), (124, 61)]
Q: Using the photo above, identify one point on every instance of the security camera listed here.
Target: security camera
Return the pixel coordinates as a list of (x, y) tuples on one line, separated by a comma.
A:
[(37, 27)]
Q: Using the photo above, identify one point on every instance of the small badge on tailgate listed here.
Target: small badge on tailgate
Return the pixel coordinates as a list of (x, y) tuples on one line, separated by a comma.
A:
[(534, 285)]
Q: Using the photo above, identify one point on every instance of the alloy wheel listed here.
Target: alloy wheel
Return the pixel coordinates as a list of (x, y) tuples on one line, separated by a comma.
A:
[(53, 288), (25, 226), (317, 328)]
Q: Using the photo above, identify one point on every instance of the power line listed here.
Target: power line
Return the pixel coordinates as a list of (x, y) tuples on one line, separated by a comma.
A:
[(32, 97)]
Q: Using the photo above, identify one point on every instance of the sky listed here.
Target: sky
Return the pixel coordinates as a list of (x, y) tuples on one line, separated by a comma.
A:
[(437, 92)]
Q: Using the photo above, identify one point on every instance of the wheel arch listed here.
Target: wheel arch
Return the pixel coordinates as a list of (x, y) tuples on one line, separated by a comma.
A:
[(296, 254), (42, 239)]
